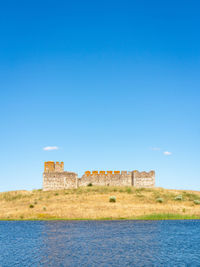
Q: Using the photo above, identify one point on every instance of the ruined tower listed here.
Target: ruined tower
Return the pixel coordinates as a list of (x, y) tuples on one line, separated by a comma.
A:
[(55, 178)]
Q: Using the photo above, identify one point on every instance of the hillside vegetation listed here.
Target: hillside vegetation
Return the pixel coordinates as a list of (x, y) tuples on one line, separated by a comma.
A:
[(100, 202)]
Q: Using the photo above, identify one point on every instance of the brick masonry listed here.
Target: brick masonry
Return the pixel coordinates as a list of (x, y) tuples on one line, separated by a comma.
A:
[(55, 178)]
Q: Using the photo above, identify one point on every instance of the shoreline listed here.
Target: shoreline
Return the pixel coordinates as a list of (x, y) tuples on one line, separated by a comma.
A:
[(150, 217)]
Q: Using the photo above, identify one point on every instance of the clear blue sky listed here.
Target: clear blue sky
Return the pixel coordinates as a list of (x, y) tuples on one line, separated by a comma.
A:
[(112, 84)]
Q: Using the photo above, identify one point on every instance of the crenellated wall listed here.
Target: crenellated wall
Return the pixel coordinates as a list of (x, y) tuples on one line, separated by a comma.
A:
[(106, 178), (59, 167), (49, 166), (55, 178)]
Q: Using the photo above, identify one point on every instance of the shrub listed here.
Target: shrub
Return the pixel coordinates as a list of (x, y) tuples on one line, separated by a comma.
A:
[(178, 197), (129, 190), (184, 210), (31, 206), (56, 194), (90, 184), (35, 202), (44, 208), (112, 199), (197, 202), (160, 200)]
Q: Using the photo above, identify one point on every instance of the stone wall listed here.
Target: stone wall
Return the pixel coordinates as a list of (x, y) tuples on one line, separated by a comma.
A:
[(59, 180), (144, 179), (55, 178), (107, 179)]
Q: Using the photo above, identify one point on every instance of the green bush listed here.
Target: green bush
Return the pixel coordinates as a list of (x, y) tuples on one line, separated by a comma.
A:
[(160, 200), (31, 206), (178, 197), (129, 190), (112, 199), (90, 184), (44, 208), (56, 194), (197, 202)]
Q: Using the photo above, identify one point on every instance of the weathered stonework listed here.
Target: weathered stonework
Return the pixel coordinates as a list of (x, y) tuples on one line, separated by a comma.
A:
[(59, 167), (59, 180), (144, 179), (116, 179), (55, 178)]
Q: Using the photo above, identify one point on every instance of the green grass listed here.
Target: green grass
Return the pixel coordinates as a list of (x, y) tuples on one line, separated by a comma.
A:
[(150, 217), (190, 196), (168, 217)]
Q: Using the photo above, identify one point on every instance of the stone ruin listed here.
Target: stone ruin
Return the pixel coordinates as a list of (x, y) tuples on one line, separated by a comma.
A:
[(55, 178)]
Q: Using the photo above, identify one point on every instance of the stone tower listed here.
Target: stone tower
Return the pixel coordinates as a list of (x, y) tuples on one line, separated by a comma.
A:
[(55, 178), (49, 166), (59, 167)]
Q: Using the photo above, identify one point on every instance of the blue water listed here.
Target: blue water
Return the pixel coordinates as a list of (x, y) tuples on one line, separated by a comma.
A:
[(100, 243)]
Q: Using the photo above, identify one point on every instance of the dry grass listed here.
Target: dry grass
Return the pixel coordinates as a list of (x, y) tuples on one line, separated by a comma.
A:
[(93, 203)]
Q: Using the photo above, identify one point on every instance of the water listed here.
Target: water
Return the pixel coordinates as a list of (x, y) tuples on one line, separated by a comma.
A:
[(100, 243)]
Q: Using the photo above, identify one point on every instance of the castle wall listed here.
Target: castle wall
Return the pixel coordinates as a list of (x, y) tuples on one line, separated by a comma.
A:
[(115, 179), (55, 178), (144, 179), (59, 180)]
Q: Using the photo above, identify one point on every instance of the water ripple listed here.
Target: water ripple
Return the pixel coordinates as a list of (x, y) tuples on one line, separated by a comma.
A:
[(100, 243)]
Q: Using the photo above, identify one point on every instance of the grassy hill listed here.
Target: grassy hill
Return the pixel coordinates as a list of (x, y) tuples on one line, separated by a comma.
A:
[(94, 203)]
